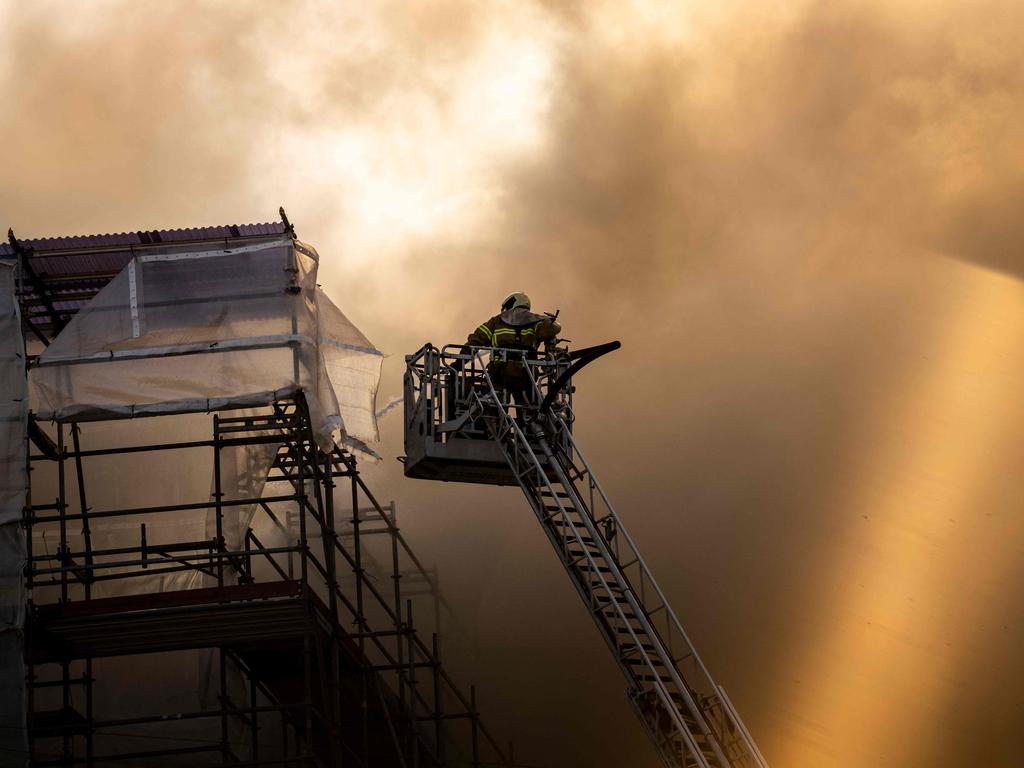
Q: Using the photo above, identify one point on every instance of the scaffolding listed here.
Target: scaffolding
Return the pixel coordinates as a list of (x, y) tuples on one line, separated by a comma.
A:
[(284, 589)]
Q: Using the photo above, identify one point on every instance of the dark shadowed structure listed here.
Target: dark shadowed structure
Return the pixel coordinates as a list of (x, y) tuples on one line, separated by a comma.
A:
[(250, 602)]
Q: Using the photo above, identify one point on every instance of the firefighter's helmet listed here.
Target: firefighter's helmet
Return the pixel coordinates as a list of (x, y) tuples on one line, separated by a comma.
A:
[(515, 301)]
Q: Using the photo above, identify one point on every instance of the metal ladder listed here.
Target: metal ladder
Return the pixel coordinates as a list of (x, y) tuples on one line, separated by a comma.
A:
[(687, 716)]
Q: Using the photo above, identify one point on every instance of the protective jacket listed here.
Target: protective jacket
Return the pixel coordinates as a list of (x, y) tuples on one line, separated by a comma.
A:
[(520, 329), (515, 329)]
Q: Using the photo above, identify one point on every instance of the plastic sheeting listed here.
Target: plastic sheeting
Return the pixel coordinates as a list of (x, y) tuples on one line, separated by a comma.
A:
[(13, 480), (202, 330), (354, 375), (183, 331)]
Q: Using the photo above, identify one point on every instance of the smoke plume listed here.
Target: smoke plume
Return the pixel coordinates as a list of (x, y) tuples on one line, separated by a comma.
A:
[(803, 224)]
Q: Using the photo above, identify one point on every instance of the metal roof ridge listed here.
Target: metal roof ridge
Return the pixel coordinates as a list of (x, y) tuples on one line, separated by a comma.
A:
[(275, 227)]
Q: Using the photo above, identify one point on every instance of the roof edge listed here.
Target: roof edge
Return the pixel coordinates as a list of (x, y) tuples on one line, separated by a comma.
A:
[(118, 240)]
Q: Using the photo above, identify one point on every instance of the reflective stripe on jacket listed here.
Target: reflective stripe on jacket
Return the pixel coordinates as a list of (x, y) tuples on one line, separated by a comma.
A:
[(515, 329)]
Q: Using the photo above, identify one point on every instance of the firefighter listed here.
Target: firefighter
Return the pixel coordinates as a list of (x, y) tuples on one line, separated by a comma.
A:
[(517, 333)]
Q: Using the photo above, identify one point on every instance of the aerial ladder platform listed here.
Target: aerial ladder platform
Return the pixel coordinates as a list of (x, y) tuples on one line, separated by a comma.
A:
[(462, 425)]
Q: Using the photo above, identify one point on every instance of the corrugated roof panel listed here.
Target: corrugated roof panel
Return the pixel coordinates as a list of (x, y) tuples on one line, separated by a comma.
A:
[(57, 263), (121, 239)]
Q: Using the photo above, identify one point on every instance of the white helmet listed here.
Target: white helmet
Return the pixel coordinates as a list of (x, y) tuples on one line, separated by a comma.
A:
[(515, 301)]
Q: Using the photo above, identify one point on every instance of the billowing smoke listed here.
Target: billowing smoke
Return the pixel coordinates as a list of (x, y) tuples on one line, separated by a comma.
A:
[(802, 223)]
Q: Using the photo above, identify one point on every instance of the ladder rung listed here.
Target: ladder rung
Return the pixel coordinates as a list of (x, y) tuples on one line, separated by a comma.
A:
[(592, 569), (621, 599), (570, 523), (556, 508), (652, 678), (635, 662), (579, 539), (627, 614), (631, 647), (580, 555), (570, 547), (551, 516), (677, 698), (580, 562), (626, 652)]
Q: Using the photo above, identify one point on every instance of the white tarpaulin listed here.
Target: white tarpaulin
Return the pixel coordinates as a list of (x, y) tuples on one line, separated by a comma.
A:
[(202, 330), (13, 413), (197, 331)]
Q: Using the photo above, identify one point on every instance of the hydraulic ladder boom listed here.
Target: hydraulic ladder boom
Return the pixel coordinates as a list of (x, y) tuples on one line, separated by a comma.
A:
[(688, 717)]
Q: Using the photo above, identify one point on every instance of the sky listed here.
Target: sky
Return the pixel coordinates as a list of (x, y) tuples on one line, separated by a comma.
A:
[(801, 220)]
